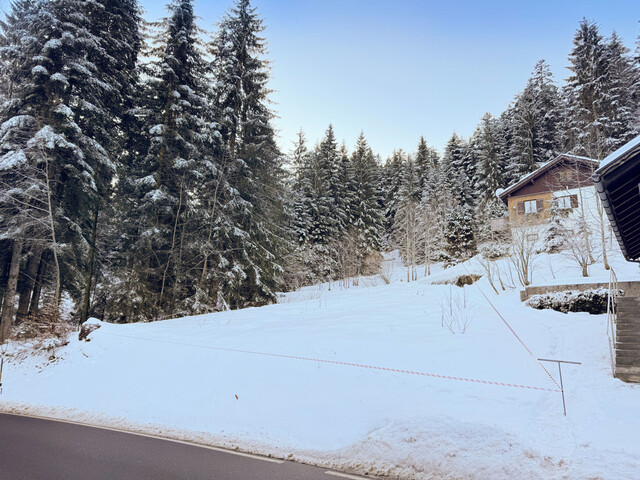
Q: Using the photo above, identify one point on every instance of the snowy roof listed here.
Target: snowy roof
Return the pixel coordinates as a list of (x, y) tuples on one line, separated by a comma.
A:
[(617, 182), (504, 194), (619, 154)]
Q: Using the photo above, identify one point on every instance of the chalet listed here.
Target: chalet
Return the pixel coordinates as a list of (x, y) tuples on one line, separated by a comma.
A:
[(562, 183), (618, 184)]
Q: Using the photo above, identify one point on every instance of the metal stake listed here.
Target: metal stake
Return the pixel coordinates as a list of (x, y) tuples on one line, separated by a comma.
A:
[(559, 362)]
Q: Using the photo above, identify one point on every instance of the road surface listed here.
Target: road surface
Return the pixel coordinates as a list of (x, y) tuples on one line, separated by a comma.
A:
[(39, 449)]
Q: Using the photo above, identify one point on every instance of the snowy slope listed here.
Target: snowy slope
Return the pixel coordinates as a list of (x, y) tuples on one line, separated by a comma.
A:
[(207, 378)]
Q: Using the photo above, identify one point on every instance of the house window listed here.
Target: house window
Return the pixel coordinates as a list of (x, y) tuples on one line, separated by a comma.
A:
[(530, 206), (566, 202)]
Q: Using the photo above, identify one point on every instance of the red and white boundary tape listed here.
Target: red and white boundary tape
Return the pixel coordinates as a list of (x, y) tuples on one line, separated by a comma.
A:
[(515, 334), (335, 362)]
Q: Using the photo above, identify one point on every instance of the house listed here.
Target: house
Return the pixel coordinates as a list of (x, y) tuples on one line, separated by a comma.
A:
[(618, 184), (563, 184)]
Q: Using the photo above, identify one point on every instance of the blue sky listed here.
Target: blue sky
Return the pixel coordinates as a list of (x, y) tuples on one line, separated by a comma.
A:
[(398, 69)]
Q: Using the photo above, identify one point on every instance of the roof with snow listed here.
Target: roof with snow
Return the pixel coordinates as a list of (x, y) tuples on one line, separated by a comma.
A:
[(531, 177), (618, 184)]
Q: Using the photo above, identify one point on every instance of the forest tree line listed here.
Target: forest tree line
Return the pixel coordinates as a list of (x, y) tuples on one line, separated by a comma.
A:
[(140, 176)]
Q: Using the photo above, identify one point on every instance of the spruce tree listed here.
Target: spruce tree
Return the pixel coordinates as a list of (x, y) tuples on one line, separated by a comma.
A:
[(620, 80), (459, 233), (241, 97), (491, 166), (459, 163), (367, 221), (534, 122), (57, 110), (584, 95), (171, 174)]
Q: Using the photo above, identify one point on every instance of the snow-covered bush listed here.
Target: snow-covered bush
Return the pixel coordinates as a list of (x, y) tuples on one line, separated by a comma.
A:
[(494, 250), (590, 301)]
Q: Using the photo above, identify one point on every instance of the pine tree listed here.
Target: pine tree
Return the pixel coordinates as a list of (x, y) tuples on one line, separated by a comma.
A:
[(367, 221), (534, 122), (116, 23), (459, 233), (459, 163), (301, 190), (584, 95), (241, 75), (620, 80), (391, 182), (424, 161), (171, 174), (490, 170), (405, 225), (57, 110)]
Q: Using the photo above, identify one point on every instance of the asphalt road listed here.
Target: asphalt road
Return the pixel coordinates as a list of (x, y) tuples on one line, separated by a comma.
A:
[(37, 449)]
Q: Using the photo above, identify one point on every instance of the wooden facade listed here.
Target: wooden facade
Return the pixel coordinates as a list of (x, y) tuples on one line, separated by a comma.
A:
[(531, 198), (618, 184)]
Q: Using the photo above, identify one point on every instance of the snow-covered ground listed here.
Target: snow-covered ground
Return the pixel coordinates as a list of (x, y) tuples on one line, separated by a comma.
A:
[(205, 378)]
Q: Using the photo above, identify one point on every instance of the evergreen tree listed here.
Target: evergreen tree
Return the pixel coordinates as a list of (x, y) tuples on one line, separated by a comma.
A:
[(367, 221), (116, 24), (490, 171), (459, 163), (584, 93), (534, 123), (391, 182), (171, 174), (459, 233), (57, 110), (405, 227), (620, 80), (241, 75), (424, 161)]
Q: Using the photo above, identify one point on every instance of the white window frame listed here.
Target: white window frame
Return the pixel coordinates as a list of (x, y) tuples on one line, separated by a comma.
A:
[(563, 202), (530, 206)]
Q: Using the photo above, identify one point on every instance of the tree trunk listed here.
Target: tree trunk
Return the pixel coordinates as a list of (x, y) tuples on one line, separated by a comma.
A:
[(10, 293), (34, 306), (86, 300), (28, 287), (58, 291)]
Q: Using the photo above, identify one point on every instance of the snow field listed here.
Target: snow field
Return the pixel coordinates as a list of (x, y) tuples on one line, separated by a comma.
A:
[(169, 376)]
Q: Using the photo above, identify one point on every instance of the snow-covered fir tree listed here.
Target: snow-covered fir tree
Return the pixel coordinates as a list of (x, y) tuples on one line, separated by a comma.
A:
[(241, 75), (459, 233), (459, 162), (534, 122), (170, 175), (491, 166), (367, 221)]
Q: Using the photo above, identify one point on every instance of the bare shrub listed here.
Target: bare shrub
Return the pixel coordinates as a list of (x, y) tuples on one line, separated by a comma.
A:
[(457, 313), (524, 240)]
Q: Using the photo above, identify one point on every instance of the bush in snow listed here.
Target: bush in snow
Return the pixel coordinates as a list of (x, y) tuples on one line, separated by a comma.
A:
[(590, 301), (493, 250)]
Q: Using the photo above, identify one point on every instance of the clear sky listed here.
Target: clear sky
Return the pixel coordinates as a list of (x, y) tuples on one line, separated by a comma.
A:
[(398, 69)]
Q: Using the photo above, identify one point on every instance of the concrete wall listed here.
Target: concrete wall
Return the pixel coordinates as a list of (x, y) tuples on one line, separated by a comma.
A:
[(631, 289)]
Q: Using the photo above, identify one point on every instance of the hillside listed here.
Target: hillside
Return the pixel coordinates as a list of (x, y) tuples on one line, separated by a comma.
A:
[(230, 379)]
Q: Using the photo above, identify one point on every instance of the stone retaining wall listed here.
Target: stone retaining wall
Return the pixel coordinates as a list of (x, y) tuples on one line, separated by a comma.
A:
[(631, 289)]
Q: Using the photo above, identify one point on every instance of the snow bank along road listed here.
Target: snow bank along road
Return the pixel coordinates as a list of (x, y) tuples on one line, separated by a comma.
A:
[(35, 449)]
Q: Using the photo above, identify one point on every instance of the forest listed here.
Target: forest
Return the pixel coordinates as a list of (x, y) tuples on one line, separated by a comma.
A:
[(141, 179)]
